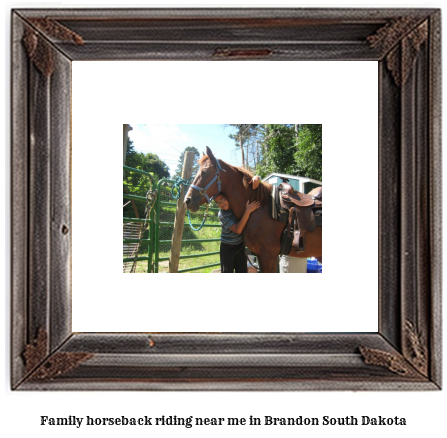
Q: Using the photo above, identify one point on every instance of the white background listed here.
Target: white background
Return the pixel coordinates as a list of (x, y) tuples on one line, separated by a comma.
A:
[(20, 411), (343, 299)]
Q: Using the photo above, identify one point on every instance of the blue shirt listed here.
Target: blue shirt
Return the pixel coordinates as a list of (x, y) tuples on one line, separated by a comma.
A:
[(227, 220)]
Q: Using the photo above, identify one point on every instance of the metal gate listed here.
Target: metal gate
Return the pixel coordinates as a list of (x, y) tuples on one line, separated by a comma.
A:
[(133, 241), (200, 243)]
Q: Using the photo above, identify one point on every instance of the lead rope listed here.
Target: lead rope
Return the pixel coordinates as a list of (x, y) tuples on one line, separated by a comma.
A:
[(176, 186)]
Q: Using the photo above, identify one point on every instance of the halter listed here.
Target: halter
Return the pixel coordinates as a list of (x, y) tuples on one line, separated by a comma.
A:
[(216, 176)]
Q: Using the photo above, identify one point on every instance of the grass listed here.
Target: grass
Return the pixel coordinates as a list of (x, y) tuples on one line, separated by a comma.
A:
[(196, 248), (189, 248)]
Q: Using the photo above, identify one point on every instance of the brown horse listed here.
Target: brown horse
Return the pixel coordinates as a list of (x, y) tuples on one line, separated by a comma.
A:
[(262, 234)]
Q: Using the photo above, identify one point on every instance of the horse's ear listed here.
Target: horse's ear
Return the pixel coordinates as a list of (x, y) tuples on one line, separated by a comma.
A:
[(210, 155)]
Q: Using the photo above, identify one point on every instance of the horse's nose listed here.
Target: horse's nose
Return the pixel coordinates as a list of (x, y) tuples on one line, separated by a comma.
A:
[(187, 201)]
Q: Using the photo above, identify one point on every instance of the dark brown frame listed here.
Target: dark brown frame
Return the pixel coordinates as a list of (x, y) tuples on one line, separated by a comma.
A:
[(405, 354)]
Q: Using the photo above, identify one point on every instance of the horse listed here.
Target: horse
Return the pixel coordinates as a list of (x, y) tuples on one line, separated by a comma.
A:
[(262, 234)]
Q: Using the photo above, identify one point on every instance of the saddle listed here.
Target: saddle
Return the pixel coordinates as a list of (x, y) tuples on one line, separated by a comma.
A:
[(304, 212)]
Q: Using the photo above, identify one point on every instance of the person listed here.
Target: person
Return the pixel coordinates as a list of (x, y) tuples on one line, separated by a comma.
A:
[(232, 247)]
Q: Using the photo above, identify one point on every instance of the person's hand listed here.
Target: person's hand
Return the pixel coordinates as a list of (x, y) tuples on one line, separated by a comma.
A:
[(249, 208), (255, 181)]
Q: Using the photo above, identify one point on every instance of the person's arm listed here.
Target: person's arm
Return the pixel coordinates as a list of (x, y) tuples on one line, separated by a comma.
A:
[(255, 181), (239, 227)]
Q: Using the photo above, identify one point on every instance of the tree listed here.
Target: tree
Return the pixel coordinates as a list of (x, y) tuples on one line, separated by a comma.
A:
[(147, 162), (130, 153), (309, 152), (293, 149), (195, 167), (137, 184), (278, 150), (254, 147), (242, 136)]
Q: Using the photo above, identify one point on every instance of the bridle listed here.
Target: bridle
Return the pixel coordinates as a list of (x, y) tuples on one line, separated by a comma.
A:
[(216, 177)]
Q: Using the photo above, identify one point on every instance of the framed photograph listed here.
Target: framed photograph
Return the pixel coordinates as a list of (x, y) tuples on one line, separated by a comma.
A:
[(403, 354)]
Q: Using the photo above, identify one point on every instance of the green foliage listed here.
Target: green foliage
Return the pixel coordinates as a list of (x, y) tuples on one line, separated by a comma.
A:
[(309, 152), (290, 149), (136, 184), (279, 149), (148, 162)]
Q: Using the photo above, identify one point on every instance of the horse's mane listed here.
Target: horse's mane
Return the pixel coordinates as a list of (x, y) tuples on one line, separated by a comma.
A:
[(261, 194)]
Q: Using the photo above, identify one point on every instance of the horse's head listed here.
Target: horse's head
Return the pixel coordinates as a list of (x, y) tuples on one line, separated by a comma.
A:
[(206, 182)]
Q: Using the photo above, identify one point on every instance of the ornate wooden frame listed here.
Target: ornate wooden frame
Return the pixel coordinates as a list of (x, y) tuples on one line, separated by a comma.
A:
[(405, 354)]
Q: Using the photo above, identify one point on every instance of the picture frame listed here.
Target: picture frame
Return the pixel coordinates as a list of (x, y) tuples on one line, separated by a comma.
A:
[(405, 353)]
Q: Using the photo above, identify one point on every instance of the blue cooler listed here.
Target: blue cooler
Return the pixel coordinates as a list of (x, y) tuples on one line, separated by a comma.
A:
[(313, 267)]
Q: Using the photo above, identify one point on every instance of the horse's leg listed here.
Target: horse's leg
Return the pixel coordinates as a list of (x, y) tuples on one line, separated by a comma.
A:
[(267, 263)]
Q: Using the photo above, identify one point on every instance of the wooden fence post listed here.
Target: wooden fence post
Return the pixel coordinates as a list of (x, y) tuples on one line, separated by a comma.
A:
[(126, 129), (177, 234)]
